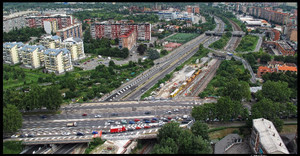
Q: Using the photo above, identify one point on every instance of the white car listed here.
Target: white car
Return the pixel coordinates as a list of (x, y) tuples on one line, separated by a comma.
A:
[(107, 123), (169, 112), (97, 116), (14, 136), (176, 110), (117, 123)]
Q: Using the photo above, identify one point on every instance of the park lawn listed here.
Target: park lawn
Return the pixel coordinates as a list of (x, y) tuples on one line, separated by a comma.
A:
[(221, 133), (288, 129), (182, 37), (248, 43)]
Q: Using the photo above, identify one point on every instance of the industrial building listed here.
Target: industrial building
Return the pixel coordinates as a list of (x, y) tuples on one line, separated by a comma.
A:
[(265, 139)]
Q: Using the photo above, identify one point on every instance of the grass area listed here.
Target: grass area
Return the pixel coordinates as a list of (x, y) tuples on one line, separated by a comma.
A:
[(31, 76), (221, 133), (94, 144), (289, 129), (182, 37), (248, 43), (221, 43), (42, 113), (12, 147)]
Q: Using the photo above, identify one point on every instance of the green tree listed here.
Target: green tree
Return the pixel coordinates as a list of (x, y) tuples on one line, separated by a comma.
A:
[(153, 54), (52, 98), (12, 119), (237, 90), (111, 63), (141, 49), (169, 130), (265, 58), (276, 91), (200, 129), (164, 52)]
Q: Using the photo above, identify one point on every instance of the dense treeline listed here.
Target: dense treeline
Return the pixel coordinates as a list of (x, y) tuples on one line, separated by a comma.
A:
[(103, 46), (231, 80), (35, 98), (13, 73), (221, 43), (175, 140), (210, 23), (22, 35)]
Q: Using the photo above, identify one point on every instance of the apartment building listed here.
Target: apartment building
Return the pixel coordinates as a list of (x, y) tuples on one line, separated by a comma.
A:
[(167, 15), (75, 46), (265, 139), (10, 53), (16, 20), (30, 56), (63, 21), (50, 25), (74, 31), (269, 14), (114, 30), (128, 40), (196, 10), (276, 66), (51, 42), (189, 9), (41, 50), (58, 60)]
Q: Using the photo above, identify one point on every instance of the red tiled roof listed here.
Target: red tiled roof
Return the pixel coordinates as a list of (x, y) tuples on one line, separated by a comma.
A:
[(287, 68)]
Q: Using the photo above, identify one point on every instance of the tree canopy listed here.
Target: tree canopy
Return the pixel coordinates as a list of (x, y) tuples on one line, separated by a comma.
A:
[(12, 119)]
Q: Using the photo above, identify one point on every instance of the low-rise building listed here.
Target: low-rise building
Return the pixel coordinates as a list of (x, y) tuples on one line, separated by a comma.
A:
[(75, 46), (265, 139), (58, 60), (30, 56)]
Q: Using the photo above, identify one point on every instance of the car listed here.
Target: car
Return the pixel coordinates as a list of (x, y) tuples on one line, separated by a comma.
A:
[(169, 112), (184, 122), (110, 121), (176, 110), (123, 121), (43, 116), (84, 62), (84, 114), (107, 124), (104, 132), (130, 129), (94, 132), (137, 127), (147, 121), (80, 134), (30, 135), (153, 121), (169, 118), (147, 112), (185, 116), (188, 119), (88, 60), (165, 120), (14, 136), (180, 119), (136, 120), (131, 122), (97, 116), (145, 127), (114, 114), (153, 126), (117, 123)]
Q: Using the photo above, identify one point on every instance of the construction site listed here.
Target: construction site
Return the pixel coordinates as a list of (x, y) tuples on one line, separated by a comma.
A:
[(189, 81)]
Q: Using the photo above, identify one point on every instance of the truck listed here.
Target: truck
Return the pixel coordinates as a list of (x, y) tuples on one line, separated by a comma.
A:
[(117, 129), (72, 124)]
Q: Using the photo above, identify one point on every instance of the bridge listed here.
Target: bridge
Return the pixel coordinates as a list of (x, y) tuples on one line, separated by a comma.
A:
[(213, 33), (238, 33)]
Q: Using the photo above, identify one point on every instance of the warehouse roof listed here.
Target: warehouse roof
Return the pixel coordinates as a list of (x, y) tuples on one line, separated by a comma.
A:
[(269, 137)]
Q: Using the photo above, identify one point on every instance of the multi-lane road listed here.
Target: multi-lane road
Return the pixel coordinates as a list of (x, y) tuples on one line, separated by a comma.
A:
[(136, 87)]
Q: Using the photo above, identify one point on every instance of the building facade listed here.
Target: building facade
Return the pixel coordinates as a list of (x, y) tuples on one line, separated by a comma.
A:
[(51, 42), (63, 21), (30, 56), (50, 25), (16, 20), (128, 40), (115, 30), (265, 139), (58, 60), (74, 31), (10, 53), (75, 46)]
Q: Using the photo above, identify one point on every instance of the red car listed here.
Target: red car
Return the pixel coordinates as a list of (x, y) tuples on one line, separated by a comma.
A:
[(153, 121), (88, 60), (136, 120), (146, 127), (169, 118), (137, 127), (84, 114), (84, 62)]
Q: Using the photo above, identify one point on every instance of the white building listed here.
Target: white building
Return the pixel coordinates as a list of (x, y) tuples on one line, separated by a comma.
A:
[(58, 60)]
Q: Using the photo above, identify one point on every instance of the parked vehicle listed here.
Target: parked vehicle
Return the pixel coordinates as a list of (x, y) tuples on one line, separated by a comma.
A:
[(97, 116), (137, 127), (84, 114), (72, 124), (136, 120), (110, 121), (117, 123), (114, 114), (117, 129), (131, 122), (145, 127), (123, 121), (80, 134), (154, 119), (94, 132), (43, 116), (147, 112), (107, 124), (176, 110), (30, 135), (147, 121)]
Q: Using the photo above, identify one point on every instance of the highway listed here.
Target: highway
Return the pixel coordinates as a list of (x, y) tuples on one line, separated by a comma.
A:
[(136, 87)]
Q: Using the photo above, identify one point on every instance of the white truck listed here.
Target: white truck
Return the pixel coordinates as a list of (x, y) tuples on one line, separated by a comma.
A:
[(72, 124)]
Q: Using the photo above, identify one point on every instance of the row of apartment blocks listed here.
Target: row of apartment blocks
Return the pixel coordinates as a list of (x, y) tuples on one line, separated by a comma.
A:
[(127, 32), (276, 66), (55, 55), (269, 15), (16, 20), (193, 9)]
